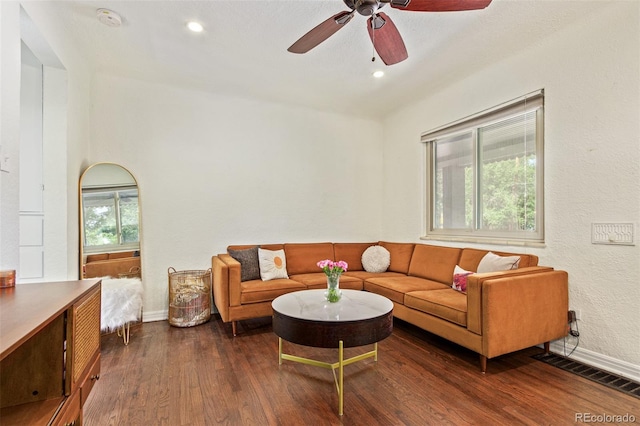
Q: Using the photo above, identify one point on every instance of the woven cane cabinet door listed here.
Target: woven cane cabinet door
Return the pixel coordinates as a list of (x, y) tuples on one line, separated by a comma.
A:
[(84, 344)]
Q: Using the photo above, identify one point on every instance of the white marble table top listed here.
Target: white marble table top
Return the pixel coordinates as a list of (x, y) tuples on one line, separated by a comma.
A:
[(355, 305)]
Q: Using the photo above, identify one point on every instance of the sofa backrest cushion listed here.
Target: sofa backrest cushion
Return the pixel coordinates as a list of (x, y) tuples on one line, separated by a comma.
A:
[(121, 254), (302, 258), (434, 262), (97, 257), (110, 256), (111, 267), (351, 253), (262, 246), (470, 258), (400, 256)]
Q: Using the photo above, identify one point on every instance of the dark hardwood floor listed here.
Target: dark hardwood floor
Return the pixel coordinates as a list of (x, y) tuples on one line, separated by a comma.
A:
[(204, 376)]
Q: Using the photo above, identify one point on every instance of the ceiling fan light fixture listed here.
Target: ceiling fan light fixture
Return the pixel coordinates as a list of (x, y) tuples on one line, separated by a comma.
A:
[(194, 26), (109, 18), (378, 74)]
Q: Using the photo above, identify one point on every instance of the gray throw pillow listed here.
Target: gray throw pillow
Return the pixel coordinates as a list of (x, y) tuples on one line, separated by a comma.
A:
[(249, 265)]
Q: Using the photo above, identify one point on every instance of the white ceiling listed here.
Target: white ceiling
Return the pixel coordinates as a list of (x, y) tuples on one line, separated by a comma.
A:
[(243, 49)]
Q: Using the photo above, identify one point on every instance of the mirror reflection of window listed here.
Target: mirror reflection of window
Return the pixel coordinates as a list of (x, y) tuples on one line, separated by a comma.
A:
[(110, 219)]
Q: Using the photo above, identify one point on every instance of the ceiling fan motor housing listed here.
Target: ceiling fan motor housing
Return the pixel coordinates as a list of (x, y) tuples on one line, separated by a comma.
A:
[(364, 7)]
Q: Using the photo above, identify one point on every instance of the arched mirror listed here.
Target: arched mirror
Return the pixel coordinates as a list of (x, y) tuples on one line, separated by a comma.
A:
[(109, 222)]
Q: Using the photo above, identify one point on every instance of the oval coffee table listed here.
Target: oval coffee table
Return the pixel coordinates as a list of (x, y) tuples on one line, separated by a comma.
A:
[(306, 318)]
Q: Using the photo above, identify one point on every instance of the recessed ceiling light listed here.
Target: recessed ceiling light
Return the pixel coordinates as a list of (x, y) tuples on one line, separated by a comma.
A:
[(194, 26), (378, 74)]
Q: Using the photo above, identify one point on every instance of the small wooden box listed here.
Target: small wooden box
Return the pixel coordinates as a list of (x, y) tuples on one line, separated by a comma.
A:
[(8, 278)]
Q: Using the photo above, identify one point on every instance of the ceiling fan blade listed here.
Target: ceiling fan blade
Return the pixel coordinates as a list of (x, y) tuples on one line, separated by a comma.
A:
[(439, 5), (386, 39), (321, 32)]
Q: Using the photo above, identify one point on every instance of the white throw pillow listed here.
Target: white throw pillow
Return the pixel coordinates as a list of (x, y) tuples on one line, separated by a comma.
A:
[(376, 259), (491, 262), (273, 264)]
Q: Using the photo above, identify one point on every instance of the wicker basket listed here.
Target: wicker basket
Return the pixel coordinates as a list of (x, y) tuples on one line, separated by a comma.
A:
[(189, 297), (134, 272)]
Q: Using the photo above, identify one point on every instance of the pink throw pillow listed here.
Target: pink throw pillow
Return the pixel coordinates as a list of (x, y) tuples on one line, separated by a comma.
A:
[(460, 279)]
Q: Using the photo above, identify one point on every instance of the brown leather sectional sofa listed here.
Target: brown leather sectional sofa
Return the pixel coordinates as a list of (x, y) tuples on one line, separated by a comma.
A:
[(110, 264), (500, 312)]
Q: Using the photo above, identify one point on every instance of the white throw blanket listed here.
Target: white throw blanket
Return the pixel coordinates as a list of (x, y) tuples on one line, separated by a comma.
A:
[(121, 302)]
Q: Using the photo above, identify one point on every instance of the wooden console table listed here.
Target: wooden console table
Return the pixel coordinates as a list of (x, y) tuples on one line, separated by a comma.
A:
[(49, 351)]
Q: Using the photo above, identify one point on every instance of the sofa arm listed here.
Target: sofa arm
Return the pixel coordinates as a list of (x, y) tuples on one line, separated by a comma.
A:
[(474, 292), (226, 283), (220, 274), (523, 311)]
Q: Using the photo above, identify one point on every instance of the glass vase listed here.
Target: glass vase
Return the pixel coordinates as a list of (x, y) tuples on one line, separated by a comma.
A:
[(333, 293)]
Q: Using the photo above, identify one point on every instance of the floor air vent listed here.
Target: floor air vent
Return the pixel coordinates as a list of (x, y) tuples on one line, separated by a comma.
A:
[(613, 381)]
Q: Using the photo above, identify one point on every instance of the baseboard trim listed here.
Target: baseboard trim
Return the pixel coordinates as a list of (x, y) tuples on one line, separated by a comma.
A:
[(597, 360), (155, 316)]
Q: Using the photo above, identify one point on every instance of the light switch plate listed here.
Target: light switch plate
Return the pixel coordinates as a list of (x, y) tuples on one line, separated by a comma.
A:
[(612, 233)]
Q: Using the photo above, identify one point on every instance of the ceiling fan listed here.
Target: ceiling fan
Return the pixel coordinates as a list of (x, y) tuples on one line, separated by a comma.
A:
[(383, 33)]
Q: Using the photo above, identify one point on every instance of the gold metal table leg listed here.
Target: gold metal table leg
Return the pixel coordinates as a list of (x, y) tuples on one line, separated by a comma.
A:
[(341, 385), (339, 379)]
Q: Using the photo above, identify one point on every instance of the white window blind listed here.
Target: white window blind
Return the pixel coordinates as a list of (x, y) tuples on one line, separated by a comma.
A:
[(485, 174)]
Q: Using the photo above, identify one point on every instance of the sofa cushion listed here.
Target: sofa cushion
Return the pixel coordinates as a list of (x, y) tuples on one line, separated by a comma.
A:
[(434, 262), (394, 288), (97, 257), (319, 280), (376, 259), (491, 262), (264, 246), (470, 258), (400, 254), (249, 264), (256, 291), (364, 275), (447, 304), (121, 254), (273, 264), (111, 267), (303, 258), (350, 253)]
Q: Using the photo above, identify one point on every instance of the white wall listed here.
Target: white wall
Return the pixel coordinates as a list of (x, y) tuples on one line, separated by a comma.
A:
[(590, 73), (70, 151), (66, 138), (215, 171), (10, 133)]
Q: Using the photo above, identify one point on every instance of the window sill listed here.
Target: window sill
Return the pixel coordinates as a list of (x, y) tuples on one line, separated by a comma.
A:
[(486, 240)]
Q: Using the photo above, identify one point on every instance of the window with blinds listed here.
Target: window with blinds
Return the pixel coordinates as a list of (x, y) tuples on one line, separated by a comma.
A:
[(485, 175), (110, 219)]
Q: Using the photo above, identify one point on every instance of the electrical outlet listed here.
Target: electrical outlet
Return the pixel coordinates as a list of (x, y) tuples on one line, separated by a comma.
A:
[(573, 315)]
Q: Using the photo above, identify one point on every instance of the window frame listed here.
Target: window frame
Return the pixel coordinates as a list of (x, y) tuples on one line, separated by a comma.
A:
[(533, 101)]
